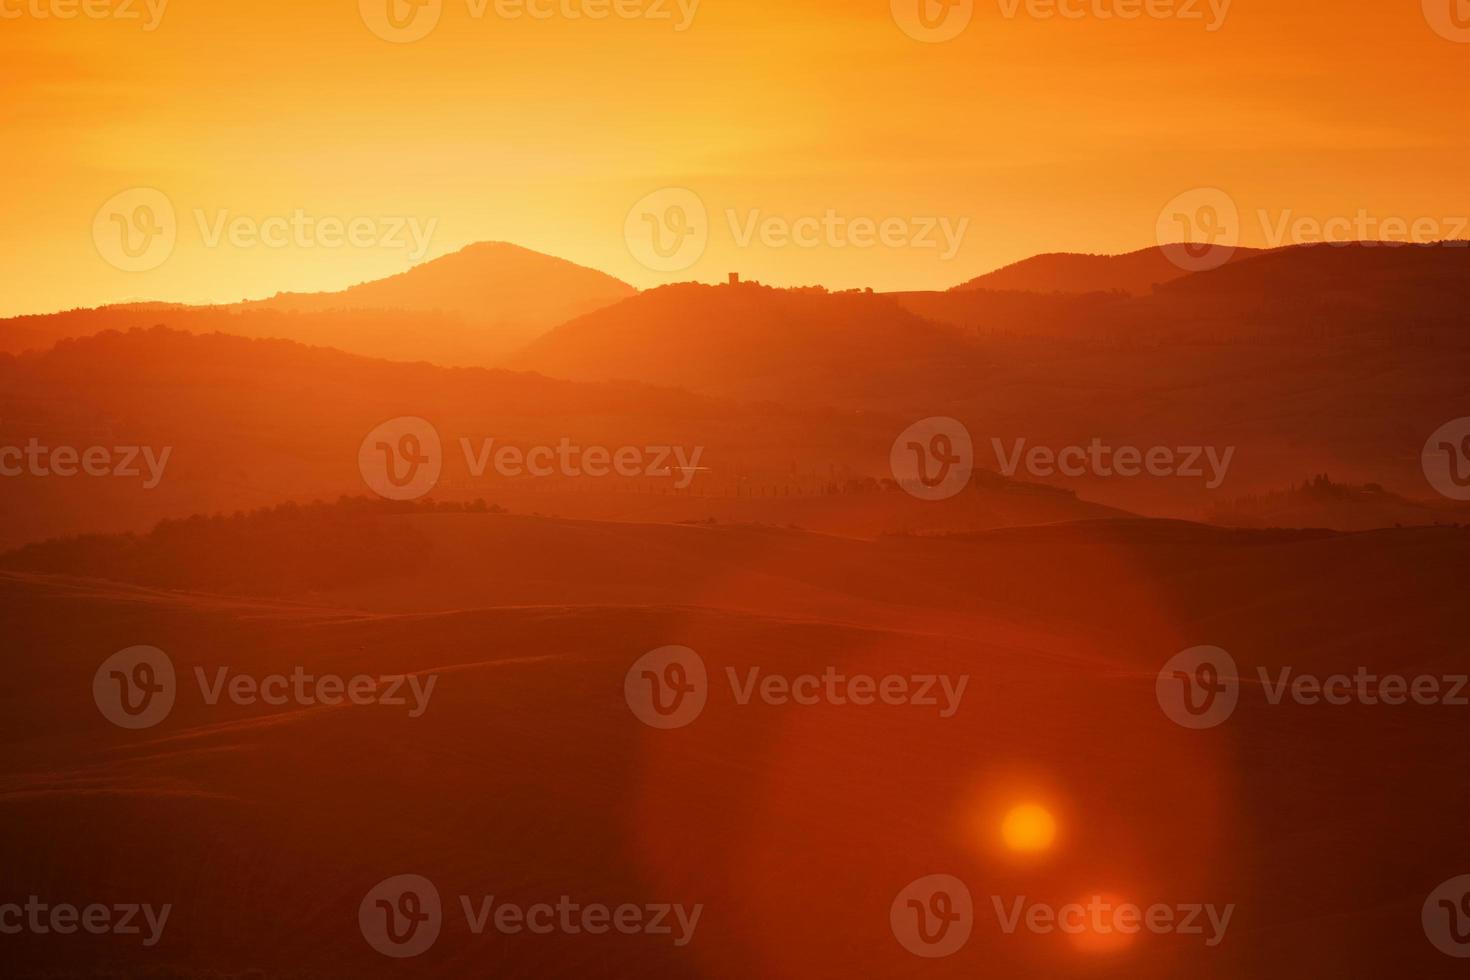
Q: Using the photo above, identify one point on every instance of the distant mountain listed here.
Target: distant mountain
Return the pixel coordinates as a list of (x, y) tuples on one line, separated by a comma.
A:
[(512, 290), (1313, 359), (1136, 273), (465, 309), (753, 341), (1339, 360)]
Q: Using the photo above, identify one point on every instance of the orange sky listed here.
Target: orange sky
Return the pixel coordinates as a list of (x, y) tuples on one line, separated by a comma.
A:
[(1042, 132)]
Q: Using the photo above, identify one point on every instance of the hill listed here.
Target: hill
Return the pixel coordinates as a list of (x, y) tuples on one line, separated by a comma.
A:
[(1320, 502), (235, 424), (464, 309), (512, 293), (1377, 275), (1312, 359), (753, 341), (257, 820), (1135, 273)]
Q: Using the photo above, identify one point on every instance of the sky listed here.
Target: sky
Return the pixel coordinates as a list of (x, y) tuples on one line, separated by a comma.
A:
[(201, 151)]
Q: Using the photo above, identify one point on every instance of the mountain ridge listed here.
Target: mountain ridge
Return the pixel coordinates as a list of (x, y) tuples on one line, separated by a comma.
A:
[(1136, 273), (464, 309)]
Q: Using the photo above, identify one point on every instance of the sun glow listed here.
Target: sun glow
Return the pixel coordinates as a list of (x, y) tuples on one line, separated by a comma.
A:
[(1029, 828)]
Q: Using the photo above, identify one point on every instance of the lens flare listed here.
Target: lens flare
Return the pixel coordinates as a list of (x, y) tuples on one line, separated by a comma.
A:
[(1029, 829)]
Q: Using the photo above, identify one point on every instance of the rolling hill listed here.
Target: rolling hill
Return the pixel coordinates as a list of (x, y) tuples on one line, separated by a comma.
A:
[(1310, 359), (526, 777), (513, 292), (1135, 273), (250, 423), (755, 342), (465, 309), (1315, 359)]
